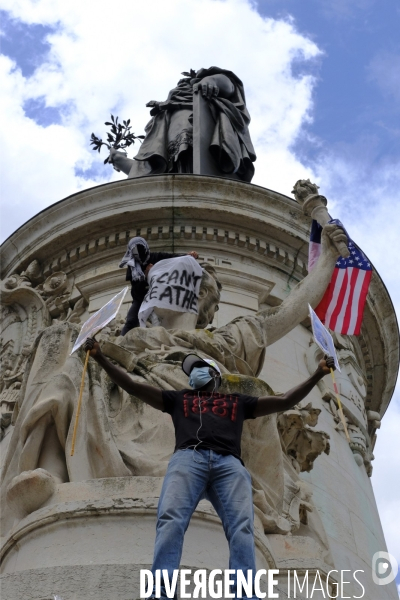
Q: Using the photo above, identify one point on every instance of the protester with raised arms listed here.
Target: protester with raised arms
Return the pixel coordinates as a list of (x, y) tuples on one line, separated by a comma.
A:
[(207, 458)]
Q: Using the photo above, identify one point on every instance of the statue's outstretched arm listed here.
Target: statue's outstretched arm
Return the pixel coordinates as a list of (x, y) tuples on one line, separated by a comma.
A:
[(294, 308), (145, 392)]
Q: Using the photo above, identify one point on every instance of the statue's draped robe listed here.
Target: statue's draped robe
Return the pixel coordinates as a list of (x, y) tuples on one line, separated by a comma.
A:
[(167, 147)]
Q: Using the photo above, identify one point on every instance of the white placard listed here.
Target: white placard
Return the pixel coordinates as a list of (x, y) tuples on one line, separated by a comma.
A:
[(322, 337), (100, 319)]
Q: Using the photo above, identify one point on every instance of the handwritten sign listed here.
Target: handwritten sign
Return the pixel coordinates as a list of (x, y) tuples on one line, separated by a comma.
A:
[(174, 283), (322, 337), (100, 319)]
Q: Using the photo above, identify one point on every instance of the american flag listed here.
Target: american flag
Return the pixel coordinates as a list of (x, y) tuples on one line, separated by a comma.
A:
[(341, 309)]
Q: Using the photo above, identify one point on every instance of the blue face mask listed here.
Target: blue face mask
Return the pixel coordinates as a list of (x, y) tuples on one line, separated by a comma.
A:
[(199, 376)]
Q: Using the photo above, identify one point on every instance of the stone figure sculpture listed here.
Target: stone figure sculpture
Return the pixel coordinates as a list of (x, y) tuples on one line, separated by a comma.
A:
[(353, 392), (172, 130), (119, 436)]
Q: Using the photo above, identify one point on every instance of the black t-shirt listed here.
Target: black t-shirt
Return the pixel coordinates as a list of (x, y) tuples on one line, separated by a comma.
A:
[(222, 419)]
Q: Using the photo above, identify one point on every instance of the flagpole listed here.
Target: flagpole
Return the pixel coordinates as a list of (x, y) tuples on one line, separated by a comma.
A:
[(340, 406), (78, 408)]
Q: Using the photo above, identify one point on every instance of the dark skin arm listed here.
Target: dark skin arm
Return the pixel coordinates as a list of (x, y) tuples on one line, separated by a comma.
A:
[(267, 405), (143, 391)]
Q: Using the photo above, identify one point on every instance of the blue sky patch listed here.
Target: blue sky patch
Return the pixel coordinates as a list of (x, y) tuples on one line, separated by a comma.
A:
[(24, 43), (36, 109), (97, 171), (357, 96)]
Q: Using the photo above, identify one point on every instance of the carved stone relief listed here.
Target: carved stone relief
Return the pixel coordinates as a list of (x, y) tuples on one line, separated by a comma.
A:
[(301, 443), (56, 291), (74, 314), (353, 392), (287, 261), (30, 303)]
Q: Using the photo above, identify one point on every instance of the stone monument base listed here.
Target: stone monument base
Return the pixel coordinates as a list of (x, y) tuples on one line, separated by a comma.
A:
[(95, 547)]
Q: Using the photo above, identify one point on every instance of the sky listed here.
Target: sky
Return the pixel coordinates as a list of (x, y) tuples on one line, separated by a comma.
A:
[(322, 81)]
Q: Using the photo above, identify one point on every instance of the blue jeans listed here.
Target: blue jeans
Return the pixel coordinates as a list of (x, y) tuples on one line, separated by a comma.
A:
[(226, 483)]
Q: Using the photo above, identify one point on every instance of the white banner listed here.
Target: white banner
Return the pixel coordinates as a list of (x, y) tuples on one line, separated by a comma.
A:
[(174, 283)]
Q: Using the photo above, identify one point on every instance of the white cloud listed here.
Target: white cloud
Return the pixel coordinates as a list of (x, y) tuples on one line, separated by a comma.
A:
[(98, 64), (37, 162), (366, 197)]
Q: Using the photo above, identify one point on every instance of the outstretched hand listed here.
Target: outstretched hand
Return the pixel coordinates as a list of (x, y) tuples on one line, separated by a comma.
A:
[(92, 346), (325, 365)]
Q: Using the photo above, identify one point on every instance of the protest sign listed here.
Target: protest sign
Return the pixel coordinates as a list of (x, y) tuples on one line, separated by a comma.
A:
[(323, 338), (100, 319), (174, 283), (93, 325)]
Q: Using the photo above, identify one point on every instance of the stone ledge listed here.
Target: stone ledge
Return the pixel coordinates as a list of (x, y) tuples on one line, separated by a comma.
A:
[(285, 260), (89, 582)]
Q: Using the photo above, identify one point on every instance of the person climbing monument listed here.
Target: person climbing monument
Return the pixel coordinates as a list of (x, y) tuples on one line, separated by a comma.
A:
[(206, 462), (138, 259)]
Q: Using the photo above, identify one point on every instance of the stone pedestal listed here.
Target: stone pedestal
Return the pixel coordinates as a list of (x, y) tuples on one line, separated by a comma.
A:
[(92, 538)]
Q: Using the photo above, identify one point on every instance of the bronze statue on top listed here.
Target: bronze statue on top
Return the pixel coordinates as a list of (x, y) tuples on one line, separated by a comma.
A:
[(201, 128)]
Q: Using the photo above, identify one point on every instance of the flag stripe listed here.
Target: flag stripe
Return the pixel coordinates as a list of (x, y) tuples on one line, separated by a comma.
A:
[(354, 303), (363, 299), (338, 311), (326, 300), (348, 307), (341, 308), (336, 299)]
